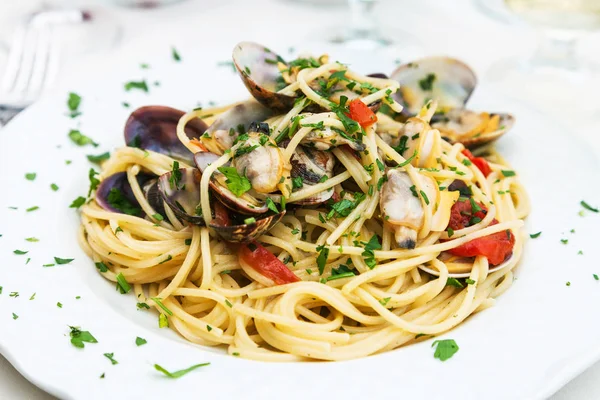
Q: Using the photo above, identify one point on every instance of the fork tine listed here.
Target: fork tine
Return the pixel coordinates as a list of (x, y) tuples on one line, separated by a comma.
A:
[(14, 59), (40, 62), (29, 49)]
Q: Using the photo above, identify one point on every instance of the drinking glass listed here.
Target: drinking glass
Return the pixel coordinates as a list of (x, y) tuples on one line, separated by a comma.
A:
[(560, 24)]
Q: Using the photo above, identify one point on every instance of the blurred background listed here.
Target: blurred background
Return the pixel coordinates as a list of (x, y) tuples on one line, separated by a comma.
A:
[(546, 52)]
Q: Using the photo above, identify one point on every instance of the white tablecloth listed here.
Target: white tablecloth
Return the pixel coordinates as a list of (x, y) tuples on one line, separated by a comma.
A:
[(445, 27)]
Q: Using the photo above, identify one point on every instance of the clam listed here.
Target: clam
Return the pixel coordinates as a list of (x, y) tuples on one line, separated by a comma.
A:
[(472, 128), (311, 166), (155, 128), (401, 205), (115, 194), (257, 66), (248, 229), (152, 195), (448, 80), (258, 158), (223, 132), (182, 194), (245, 204), (180, 189)]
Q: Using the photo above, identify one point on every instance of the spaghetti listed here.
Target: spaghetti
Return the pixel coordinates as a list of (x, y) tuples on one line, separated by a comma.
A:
[(378, 264)]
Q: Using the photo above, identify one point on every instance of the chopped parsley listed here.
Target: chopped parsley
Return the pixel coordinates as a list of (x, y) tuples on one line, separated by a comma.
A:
[(384, 301), (140, 85), (80, 139), (445, 349), (508, 173), (32, 239), (33, 208), (79, 337), (454, 282), (596, 277), (427, 82), (535, 235), (94, 182), (122, 284), (30, 176), (163, 321), (117, 200), (142, 305), (110, 356), (588, 207), (564, 241), (322, 258), (175, 54), (159, 303), (180, 373), (73, 103), (343, 207), (271, 205), (101, 267), (98, 158), (369, 252), (297, 182), (54, 187), (140, 341), (62, 261), (15, 316), (20, 252), (78, 202), (237, 184)]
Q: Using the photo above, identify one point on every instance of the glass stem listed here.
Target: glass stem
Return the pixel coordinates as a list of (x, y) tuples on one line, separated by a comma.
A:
[(363, 23)]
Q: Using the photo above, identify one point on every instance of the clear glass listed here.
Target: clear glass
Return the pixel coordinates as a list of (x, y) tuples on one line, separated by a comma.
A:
[(364, 32), (560, 25)]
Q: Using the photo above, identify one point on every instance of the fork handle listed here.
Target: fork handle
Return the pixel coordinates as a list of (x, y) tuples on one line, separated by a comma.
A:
[(7, 113)]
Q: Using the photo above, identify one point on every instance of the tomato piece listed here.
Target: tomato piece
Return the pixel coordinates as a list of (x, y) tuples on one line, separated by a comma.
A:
[(265, 263), (461, 214), (361, 113), (479, 162), (497, 247)]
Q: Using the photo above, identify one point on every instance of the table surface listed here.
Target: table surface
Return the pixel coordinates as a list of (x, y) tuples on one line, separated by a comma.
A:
[(573, 104)]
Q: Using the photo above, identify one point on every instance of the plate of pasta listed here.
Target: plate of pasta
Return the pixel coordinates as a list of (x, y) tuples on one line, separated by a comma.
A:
[(348, 232)]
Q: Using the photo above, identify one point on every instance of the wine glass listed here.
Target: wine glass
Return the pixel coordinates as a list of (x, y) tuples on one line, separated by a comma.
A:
[(560, 24), (363, 32)]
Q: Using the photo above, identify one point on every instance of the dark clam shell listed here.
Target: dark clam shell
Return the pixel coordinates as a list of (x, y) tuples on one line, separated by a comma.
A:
[(153, 196), (115, 194), (248, 232), (182, 195), (155, 128), (257, 66)]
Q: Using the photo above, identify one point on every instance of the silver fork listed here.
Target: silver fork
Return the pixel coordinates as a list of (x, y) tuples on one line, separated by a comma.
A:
[(31, 68)]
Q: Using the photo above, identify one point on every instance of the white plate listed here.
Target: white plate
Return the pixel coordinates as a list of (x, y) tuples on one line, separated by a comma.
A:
[(540, 334)]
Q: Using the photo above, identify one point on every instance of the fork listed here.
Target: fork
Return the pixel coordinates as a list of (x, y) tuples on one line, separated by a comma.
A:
[(31, 68)]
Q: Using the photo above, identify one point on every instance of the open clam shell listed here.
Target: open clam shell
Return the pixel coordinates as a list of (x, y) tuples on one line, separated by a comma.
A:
[(471, 128), (245, 204), (115, 194), (312, 165), (155, 128), (257, 66), (182, 194), (247, 232), (221, 134), (447, 80)]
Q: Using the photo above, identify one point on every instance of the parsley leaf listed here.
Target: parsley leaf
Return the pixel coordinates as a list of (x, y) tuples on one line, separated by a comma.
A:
[(271, 205), (122, 284), (180, 373), (322, 258), (588, 207), (78, 337), (94, 182), (30, 176), (141, 85), (175, 54), (73, 103), (140, 341), (427, 82), (117, 200), (445, 349), (535, 235), (110, 357), (80, 139), (454, 282), (99, 158), (236, 183), (62, 261), (78, 202)]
